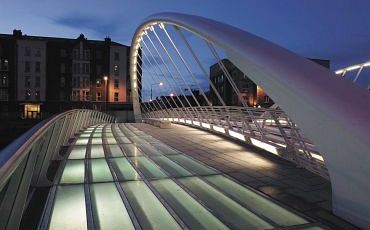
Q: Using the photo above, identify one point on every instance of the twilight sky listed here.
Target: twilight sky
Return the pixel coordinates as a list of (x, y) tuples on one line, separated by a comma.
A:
[(338, 30)]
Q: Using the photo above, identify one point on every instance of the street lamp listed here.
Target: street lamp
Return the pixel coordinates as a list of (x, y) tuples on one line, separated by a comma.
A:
[(106, 91), (151, 89)]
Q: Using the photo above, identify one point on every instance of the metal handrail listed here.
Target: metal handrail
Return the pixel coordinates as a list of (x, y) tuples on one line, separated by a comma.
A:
[(275, 128)]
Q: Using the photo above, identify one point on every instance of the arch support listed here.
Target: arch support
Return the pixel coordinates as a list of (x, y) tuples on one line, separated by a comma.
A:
[(331, 111)]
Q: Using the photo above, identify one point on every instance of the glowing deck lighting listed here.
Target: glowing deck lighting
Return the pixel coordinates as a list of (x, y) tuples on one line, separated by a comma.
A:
[(218, 129), (188, 121), (339, 71), (353, 67), (317, 156), (182, 120), (265, 146), (197, 123), (237, 135), (206, 125)]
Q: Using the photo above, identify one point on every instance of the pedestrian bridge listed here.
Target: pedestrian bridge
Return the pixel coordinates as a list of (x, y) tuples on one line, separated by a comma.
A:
[(301, 164)]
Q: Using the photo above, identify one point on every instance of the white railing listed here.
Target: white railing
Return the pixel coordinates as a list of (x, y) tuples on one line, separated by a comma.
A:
[(269, 129)]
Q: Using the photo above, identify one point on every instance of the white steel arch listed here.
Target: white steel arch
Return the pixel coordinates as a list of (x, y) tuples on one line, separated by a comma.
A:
[(331, 111)]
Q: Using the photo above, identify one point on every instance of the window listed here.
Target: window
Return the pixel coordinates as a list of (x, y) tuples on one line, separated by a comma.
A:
[(98, 96), (116, 56), (62, 82), (116, 70), (76, 68), (4, 64), (27, 67), (37, 81), (87, 95), (3, 94), (86, 83), (62, 68), (63, 53), (38, 53), (75, 54), (27, 94), (115, 96), (98, 54), (86, 67), (267, 99), (37, 95), (98, 82), (98, 69), (62, 96), (76, 95), (116, 83), (27, 81), (75, 82), (27, 51), (37, 67), (87, 54), (4, 80)]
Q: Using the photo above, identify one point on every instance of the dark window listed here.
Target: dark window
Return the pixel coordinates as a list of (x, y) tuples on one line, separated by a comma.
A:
[(116, 56), (63, 53), (27, 81), (98, 82), (37, 81), (38, 53), (76, 54), (98, 54), (62, 82), (37, 67), (115, 96), (62, 68), (27, 67), (3, 94), (116, 83), (98, 96), (98, 69), (27, 51), (87, 54)]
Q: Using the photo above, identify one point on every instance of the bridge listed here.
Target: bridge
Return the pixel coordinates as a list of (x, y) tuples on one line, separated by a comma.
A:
[(190, 162)]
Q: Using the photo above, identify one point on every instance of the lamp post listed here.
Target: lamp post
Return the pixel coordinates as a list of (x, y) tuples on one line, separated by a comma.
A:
[(151, 89), (106, 91)]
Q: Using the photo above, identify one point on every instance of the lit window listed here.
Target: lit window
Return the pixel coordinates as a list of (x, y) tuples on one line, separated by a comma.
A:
[(116, 70), (31, 111)]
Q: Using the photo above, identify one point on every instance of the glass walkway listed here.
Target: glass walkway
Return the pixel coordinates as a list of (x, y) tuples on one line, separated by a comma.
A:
[(118, 177)]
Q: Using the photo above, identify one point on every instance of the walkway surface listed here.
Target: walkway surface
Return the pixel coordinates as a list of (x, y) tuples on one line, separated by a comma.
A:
[(279, 179), (118, 176)]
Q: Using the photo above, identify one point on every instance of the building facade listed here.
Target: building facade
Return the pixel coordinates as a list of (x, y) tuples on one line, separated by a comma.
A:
[(251, 93), (39, 74)]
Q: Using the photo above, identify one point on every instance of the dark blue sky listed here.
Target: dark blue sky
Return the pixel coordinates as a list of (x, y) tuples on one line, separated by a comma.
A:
[(338, 30)]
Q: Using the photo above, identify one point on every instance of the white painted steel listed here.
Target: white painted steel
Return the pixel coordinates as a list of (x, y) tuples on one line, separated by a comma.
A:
[(331, 111)]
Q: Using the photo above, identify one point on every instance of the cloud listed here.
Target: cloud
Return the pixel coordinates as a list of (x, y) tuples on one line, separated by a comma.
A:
[(101, 27)]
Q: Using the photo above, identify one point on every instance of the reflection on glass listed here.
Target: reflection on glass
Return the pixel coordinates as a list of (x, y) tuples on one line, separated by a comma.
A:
[(100, 171), (108, 208), (191, 165), (147, 167), (69, 211), (230, 211), (189, 210), (115, 151), (78, 152), (256, 202), (170, 167), (97, 151), (149, 211), (126, 171), (74, 172), (131, 150)]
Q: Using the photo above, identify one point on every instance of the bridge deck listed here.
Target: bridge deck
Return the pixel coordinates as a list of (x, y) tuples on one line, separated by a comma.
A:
[(121, 177)]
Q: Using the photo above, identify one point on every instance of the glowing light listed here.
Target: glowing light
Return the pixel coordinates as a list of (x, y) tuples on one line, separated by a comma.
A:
[(188, 121), (160, 83), (353, 67), (206, 125), (265, 146), (367, 64), (105, 78), (197, 123), (218, 129), (171, 94), (237, 135), (182, 120), (317, 156)]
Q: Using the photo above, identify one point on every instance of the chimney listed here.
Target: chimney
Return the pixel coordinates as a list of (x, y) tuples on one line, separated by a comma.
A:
[(17, 33), (108, 39)]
